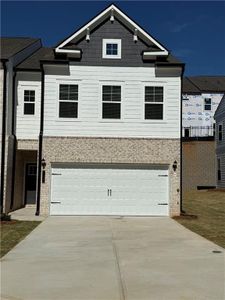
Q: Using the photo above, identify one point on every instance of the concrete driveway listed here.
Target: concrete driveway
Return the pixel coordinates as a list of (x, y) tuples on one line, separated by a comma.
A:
[(103, 258)]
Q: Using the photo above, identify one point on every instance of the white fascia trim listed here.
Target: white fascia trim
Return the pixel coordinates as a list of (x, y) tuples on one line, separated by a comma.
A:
[(123, 16), (66, 51), (158, 53)]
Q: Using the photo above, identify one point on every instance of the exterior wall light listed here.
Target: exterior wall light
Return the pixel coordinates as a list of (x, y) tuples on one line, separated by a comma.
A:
[(43, 163), (175, 166)]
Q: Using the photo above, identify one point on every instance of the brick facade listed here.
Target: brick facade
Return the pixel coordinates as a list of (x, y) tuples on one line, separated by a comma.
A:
[(113, 150), (199, 164)]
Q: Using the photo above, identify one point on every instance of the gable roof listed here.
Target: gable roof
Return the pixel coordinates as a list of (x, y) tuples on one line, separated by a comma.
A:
[(10, 46), (201, 84), (188, 87), (209, 83), (113, 11), (33, 61)]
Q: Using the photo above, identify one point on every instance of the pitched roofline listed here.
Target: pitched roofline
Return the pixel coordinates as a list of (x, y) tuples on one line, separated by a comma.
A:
[(217, 113), (36, 40), (102, 14), (193, 84)]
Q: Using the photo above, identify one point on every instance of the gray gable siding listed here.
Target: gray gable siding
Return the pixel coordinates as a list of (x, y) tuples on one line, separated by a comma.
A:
[(131, 54), (220, 145)]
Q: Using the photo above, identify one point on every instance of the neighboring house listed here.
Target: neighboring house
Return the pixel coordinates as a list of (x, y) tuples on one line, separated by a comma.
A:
[(98, 123), (220, 143), (12, 52), (201, 96)]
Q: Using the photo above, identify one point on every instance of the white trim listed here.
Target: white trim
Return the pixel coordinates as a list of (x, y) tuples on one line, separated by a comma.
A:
[(153, 53), (114, 83), (122, 15), (111, 41), (29, 88), (67, 82), (154, 84), (67, 51)]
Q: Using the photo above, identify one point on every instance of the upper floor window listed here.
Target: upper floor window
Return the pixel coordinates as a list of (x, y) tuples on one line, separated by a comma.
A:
[(111, 48), (68, 100), (111, 101), (208, 104), (29, 102), (153, 102), (220, 132)]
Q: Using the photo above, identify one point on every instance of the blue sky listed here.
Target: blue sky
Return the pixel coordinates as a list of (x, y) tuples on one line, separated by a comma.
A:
[(193, 30)]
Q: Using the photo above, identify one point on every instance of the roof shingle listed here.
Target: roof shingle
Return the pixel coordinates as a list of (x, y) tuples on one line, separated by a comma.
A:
[(12, 45)]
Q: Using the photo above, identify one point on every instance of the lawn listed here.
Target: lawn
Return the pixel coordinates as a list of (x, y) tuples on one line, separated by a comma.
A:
[(209, 207), (13, 232)]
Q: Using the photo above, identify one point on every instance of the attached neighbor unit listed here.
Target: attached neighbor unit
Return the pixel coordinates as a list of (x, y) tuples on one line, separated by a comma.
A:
[(109, 189)]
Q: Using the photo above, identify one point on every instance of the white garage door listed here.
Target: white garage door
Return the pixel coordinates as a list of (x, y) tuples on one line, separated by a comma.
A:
[(109, 190)]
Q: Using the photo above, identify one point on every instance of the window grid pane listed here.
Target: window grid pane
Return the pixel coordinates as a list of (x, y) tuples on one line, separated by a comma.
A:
[(153, 94), (111, 93), (29, 102), (29, 96), (29, 108), (111, 49), (111, 97), (154, 111), (68, 109), (68, 92), (153, 103), (68, 101)]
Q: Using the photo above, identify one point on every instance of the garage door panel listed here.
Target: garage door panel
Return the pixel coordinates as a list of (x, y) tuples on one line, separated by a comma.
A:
[(102, 190)]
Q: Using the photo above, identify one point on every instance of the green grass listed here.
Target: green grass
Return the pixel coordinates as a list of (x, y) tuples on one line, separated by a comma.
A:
[(209, 207), (13, 232)]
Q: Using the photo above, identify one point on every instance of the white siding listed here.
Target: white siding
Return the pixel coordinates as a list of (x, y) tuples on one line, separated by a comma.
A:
[(132, 123), (28, 126)]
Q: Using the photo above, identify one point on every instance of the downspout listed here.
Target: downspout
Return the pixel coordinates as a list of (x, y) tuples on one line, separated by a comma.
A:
[(14, 142), (3, 134), (40, 143), (181, 149)]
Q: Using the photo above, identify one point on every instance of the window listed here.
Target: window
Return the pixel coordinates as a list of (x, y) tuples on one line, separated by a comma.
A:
[(153, 102), (208, 103), (68, 101), (29, 102), (32, 170), (218, 169), (220, 132), (111, 101), (111, 48)]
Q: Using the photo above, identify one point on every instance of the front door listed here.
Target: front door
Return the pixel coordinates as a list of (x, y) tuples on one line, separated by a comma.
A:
[(30, 183)]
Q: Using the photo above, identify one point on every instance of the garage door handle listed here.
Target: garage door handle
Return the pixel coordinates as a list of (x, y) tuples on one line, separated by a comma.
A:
[(56, 174), (55, 202), (109, 192), (163, 175), (162, 203)]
